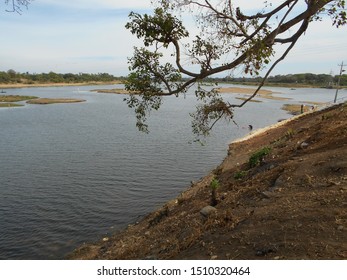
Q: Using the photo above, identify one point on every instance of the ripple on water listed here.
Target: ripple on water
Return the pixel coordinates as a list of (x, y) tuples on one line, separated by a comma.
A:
[(71, 173)]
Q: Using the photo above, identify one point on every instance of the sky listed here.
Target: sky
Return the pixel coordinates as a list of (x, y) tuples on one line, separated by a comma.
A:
[(89, 36)]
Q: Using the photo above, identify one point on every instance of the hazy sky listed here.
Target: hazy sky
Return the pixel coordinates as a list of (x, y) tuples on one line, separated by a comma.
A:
[(89, 36)]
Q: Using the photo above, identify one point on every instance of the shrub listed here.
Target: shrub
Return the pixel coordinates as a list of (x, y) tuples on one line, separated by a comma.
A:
[(214, 185), (240, 175), (258, 156)]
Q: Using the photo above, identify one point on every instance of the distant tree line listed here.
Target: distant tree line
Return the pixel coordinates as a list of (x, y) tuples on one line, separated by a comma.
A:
[(11, 77), (321, 80)]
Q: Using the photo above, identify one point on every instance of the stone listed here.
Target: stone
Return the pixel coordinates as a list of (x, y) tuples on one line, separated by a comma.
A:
[(267, 194), (151, 257), (340, 228), (207, 211), (279, 183), (303, 145)]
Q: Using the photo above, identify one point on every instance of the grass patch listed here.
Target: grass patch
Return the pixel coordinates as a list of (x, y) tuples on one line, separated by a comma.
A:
[(289, 133), (239, 175), (214, 185), (258, 157), (15, 98), (8, 105)]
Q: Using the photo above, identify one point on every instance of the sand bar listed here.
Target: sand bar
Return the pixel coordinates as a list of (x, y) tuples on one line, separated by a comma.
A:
[(44, 101), (241, 90)]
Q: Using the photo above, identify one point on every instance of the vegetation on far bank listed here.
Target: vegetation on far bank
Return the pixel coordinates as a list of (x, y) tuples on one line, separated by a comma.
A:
[(288, 80), (13, 77)]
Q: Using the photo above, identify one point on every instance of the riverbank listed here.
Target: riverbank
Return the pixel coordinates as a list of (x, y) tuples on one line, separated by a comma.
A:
[(22, 85), (281, 194)]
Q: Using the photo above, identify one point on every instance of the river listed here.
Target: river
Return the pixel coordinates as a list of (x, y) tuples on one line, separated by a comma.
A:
[(74, 173)]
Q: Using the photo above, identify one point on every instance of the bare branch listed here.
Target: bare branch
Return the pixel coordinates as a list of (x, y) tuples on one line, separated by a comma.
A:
[(298, 34), (16, 5)]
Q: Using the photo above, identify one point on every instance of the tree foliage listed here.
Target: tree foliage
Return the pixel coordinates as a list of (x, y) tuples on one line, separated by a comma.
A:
[(172, 60), (13, 77), (300, 79)]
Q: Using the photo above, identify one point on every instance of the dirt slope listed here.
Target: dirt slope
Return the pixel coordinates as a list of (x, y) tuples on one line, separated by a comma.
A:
[(292, 204)]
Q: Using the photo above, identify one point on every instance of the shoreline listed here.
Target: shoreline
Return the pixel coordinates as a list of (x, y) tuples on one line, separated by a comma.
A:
[(223, 90), (258, 200), (10, 86)]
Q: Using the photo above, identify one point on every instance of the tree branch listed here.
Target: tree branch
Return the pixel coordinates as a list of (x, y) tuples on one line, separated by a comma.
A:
[(298, 34), (16, 5)]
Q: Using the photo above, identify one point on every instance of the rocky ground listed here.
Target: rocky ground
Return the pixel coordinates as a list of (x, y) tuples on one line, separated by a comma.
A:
[(281, 194)]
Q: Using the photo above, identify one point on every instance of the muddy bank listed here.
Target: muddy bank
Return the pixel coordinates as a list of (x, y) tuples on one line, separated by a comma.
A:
[(281, 194)]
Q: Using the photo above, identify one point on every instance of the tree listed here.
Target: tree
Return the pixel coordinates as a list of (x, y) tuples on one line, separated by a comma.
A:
[(228, 39), (17, 5)]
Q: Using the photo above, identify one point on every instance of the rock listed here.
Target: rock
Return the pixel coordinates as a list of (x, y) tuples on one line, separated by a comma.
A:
[(279, 183), (151, 257), (303, 145), (340, 228), (267, 194), (160, 215), (207, 211), (264, 252), (105, 239)]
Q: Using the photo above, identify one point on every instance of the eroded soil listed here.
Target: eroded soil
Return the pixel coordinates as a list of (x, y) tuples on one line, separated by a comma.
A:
[(291, 205)]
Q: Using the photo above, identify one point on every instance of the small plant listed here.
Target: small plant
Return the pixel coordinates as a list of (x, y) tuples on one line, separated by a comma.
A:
[(239, 175), (326, 116), (214, 185), (290, 133), (258, 156)]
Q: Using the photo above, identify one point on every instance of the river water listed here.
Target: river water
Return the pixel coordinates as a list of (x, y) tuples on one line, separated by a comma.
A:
[(73, 173)]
